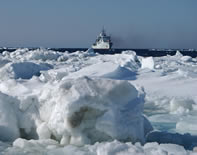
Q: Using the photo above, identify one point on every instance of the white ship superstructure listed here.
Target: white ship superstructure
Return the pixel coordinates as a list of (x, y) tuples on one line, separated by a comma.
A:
[(103, 41)]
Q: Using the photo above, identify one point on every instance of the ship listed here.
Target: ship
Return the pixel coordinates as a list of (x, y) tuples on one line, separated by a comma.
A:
[(103, 41)]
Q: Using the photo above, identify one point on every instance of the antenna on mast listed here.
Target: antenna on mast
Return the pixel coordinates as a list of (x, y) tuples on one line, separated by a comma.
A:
[(103, 30)]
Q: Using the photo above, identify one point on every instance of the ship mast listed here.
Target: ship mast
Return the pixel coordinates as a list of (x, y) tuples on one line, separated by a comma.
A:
[(103, 31)]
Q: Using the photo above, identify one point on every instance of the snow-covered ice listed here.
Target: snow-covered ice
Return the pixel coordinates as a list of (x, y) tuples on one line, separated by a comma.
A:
[(87, 103)]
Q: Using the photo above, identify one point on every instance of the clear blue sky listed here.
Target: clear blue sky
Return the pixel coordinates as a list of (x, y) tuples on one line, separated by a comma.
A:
[(76, 23)]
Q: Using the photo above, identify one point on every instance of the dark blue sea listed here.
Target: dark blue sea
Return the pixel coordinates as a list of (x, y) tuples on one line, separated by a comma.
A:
[(140, 52)]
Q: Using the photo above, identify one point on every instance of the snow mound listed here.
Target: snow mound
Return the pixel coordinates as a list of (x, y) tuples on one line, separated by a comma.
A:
[(86, 110), (23, 70), (95, 70), (121, 73), (147, 63), (105, 70)]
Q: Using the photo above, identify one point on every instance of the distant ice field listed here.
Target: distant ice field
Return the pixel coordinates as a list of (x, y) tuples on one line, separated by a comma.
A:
[(92, 102), (139, 52)]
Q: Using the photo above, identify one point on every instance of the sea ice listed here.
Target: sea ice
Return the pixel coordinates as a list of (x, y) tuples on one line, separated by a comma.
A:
[(59, 101), (9, 130), (23, 70), (51, 147)]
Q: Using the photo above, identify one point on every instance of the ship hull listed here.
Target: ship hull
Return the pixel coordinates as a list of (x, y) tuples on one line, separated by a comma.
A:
[(98, 48), (102, 45)]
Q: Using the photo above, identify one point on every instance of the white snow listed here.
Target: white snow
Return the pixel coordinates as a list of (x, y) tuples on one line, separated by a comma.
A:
[(23, 70), (148, 63), (86, 103)]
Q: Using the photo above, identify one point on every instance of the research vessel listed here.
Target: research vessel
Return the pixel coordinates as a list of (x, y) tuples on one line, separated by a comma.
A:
[(103, 41)]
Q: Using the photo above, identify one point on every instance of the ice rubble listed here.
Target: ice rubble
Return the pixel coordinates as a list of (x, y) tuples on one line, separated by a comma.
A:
[(37, 54), (9, 130), (51, 147), (79, 98), (147, 63), (88, 110), (78, 112)]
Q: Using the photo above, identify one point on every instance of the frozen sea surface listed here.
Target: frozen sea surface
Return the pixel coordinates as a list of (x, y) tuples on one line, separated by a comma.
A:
[(86, 103)]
